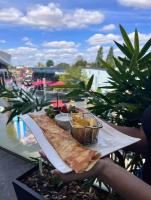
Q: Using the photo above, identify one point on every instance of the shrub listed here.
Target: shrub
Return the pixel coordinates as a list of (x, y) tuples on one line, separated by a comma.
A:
[(129, 92)]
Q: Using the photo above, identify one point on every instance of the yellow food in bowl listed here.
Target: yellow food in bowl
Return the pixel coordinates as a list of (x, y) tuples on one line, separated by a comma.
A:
[(78, 119), (84, 128)]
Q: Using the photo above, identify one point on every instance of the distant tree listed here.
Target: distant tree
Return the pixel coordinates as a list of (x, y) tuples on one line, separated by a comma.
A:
[(39, 64), (93, 65), (80, 63), (110, 59), (99, 58), (63, 65), (49, 63), (79, 57), (73, 75), (9, 66)]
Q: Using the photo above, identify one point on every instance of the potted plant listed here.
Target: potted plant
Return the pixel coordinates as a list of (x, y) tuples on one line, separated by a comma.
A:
[(42, 185)]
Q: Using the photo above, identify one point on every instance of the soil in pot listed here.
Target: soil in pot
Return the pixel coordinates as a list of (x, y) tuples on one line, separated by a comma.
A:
[(51, 188)]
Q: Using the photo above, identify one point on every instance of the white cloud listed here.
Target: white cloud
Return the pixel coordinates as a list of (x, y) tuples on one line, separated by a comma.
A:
[(60, 44), (51, 17), (108, 27), (21, 51), (20, 55), (100, 39), (67, 51), (2, 41), (93, 49), (81, 18), (136, 3), (142, 37), (41, 16), (10, 15), (61, 52), (103, 39), (90, 53), (27, 41), (117, 52), (31, 56)]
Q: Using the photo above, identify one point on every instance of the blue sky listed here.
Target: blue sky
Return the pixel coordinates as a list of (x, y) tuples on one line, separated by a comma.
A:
[(36, 30)]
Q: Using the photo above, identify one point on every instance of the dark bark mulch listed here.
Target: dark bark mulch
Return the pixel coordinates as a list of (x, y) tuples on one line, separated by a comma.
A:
[(54, 189)]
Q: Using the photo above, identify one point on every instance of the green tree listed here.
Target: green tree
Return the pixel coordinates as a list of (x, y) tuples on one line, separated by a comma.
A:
[(9, 66), (49, 63), (110, 57), (73, 75), (63, 65), (39, 64), (80, 63), (93, 65), (99, 58)]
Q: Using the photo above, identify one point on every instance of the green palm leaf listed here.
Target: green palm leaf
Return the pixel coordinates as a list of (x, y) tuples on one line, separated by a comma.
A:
[(118, 65), (145, 49), (145, 59), (126, 39), (74, 93), (90, 82), (133, 60), (124, 50), (136, 42), (12, 115)]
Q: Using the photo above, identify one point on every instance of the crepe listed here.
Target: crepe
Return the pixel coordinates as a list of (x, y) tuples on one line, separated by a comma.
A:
[(78, 157)]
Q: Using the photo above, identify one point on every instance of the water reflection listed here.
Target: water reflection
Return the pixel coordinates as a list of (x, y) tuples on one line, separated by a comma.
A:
[(18, 130), (16, 136)]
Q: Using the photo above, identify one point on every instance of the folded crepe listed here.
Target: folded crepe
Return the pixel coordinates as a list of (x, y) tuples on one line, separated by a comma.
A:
[(78, 157)]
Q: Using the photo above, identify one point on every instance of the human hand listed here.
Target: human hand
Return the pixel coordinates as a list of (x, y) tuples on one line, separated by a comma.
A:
[(72, 176)]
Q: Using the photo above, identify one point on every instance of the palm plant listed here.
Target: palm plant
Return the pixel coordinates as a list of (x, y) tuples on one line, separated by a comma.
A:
[(130, 83), (20, 101), (128, 93), (81, 89)]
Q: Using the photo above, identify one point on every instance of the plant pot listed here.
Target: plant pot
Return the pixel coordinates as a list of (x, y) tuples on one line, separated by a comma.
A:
[(24, 192)]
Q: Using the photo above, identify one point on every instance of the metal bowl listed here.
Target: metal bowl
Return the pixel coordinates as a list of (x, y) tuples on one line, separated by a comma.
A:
[(87, 134)]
